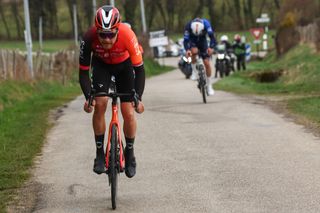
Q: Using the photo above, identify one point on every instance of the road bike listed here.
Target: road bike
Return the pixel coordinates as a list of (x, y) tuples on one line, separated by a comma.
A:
[(114, 153), (202, 77)]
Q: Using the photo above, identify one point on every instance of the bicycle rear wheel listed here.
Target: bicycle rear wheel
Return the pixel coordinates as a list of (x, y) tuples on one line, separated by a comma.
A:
[(113, 166)]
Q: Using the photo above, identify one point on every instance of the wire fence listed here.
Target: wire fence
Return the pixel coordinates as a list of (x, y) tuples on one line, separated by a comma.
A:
[(47, 66), (310, 33)]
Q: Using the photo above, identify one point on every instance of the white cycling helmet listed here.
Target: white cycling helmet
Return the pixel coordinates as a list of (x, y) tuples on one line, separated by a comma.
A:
[(197, 27), (224, 38)]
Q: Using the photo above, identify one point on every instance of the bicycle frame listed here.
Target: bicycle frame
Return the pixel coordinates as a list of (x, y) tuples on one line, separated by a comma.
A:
[(202, 78), (115, 121)]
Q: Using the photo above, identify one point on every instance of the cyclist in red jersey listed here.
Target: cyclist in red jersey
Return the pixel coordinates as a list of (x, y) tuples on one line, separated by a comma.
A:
[(111, 49)]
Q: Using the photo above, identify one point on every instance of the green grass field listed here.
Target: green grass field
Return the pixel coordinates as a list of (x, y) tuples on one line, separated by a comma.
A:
[(48, 45)]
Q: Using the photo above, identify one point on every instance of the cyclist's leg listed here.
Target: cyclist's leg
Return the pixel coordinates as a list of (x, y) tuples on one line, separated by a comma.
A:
[(194, 52), (203, 48), (125, 84), (100, 82)]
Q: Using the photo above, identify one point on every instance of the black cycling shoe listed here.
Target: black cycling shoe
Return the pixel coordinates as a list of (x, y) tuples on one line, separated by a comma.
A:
[(99, 165), (130, 167)]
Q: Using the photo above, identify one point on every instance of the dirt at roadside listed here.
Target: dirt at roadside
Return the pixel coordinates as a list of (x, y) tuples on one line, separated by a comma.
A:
[(279, 105)]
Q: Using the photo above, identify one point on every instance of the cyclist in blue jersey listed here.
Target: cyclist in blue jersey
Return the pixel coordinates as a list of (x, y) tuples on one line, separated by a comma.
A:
[(195, 43)]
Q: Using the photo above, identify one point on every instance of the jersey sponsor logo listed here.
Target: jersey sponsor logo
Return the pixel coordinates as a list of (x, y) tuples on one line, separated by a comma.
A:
[(99, 50), (136, 46), (117, 54)]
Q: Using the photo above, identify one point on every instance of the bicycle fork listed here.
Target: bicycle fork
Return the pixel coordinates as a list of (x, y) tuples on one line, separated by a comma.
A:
[(114, 121)]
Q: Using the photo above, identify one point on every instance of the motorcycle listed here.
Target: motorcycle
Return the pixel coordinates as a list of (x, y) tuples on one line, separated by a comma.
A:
[(233, 59), (184, 65), (222, 61)]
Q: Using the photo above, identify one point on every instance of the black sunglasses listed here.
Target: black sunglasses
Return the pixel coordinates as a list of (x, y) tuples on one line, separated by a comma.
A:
[(108, 35)]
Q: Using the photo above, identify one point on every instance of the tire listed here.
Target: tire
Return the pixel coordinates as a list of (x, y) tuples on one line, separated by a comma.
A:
[(113, 169), (202, 83), (221, 69), (204, 94)]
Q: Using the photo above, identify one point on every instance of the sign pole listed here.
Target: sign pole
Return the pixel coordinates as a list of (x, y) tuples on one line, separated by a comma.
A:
[(27, 35)]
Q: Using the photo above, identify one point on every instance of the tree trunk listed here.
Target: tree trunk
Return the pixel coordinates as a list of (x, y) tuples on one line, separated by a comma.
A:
[(130, 11), (210, 5), (198, 12), (277, 3), (70, 4), (4, 21), (261, 7), (237, 8), (50, 12), (87, 8), (171, 11), (151, 12), (248, 12), (163, 15), (15, 12)]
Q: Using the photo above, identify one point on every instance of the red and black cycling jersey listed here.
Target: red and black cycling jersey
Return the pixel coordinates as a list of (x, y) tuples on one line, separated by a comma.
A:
[(125, 51), (126, 46)]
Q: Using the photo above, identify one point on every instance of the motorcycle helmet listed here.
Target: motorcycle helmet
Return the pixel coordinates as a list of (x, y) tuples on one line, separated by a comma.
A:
[(237, 37), (107, 18), (224, 38), (197, 26)]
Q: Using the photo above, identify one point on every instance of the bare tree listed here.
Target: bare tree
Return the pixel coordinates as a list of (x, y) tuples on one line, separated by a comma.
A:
[(171, 11), (162, 13), (277, 3), (70, 4), (130, 11), (210, 5), (262, 6), (199, 10), (238, 17), (17, 18), (4, 21), (87, 8)]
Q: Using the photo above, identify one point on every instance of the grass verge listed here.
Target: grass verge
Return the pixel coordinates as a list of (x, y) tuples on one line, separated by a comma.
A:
[(23, 126), (295, 77), (24, 111)]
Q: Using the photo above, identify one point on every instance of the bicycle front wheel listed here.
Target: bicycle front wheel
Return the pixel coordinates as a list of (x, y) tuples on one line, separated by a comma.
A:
[(113, 169), (203, 84), (204, 93)]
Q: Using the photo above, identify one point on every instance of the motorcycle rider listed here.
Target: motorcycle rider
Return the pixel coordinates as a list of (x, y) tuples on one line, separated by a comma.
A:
[(229, 49), (240, 51), (195, 41)]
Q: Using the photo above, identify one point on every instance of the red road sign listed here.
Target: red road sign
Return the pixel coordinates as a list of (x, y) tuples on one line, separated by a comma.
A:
[(256, 32)]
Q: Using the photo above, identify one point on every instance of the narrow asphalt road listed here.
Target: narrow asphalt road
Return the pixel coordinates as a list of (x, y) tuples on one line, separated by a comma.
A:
[(229, 155)]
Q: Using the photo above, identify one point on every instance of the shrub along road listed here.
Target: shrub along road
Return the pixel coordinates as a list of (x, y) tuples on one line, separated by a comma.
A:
[(232, 154)]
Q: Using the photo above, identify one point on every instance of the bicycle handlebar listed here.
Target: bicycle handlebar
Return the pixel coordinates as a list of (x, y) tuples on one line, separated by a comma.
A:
[(133, 94)]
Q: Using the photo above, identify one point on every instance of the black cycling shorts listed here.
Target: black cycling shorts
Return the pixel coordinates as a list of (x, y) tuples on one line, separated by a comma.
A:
[(123, 73), (202, 46)]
